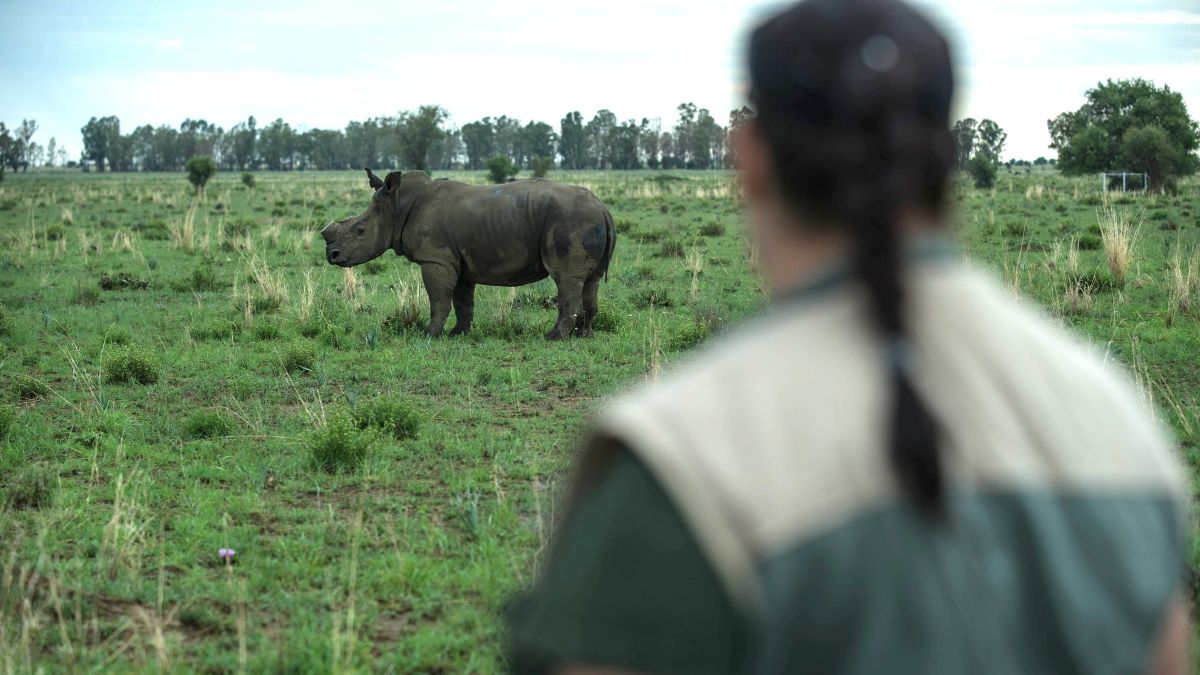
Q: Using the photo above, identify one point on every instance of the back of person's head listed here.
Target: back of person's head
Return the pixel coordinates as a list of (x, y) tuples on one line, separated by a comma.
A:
[(852, 102)]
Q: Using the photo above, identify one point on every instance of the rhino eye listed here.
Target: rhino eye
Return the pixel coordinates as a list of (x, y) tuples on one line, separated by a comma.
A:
[(361, 229)]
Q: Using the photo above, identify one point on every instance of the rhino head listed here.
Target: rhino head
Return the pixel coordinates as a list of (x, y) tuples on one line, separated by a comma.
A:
[(358, 239)]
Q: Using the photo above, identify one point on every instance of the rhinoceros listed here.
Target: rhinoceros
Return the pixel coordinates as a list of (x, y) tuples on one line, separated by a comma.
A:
[(503, 235)]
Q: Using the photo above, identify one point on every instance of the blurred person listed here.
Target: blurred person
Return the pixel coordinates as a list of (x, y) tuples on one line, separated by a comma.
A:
[(901, 469)]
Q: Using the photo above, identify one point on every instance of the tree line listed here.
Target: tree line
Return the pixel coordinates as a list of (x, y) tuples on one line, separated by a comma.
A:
[(417, 139), (1128, 125)]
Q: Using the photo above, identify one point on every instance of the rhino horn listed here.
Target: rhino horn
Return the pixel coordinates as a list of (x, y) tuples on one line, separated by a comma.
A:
[(374, 180)]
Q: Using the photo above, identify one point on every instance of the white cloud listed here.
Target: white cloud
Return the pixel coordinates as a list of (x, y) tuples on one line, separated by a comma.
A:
[(170, 44)]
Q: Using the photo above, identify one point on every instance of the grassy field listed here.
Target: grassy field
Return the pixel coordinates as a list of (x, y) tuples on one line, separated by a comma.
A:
[(183, 376)]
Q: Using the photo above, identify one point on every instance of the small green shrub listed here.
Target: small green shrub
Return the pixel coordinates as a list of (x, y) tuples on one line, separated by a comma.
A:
[(375, 266), (216, 329), (982, 170), (265, 304), (203, 278), (688, 335), (239, 227), (86, 296), (267, 331), (30, 488), (391, 416), (299, 355), (712, 230), (403, 320), (6, 322), (8, 417), (115, 281), (607, 320), (200, 168), (131, 364), (1092, 282), (154, 230), (1089, 242), (55, 232), (501, 169), (28, 388), (1016, 228), (652, 297), (671, 248), (207, 424), (541, 165), (116, 336), (248, 179), (340, 446)]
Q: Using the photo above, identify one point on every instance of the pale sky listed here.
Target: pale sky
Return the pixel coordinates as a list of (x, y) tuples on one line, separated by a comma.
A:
[(322, 64)]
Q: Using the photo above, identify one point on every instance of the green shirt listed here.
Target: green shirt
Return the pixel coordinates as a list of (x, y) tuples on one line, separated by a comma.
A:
[(627, 586)]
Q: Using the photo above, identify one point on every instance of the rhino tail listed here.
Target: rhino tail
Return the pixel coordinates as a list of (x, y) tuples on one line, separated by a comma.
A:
[(612, 241)]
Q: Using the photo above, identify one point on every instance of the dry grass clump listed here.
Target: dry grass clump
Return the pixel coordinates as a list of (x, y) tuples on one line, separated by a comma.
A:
[(1119, 233)]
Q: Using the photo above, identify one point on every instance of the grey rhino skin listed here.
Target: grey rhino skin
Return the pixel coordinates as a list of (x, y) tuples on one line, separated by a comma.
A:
[(503, 235)]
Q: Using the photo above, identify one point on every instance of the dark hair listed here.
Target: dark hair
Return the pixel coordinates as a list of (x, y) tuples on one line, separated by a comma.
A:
[(853, 98)]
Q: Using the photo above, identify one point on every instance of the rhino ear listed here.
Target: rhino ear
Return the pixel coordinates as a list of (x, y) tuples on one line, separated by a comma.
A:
[(374, 180), (392, 181)]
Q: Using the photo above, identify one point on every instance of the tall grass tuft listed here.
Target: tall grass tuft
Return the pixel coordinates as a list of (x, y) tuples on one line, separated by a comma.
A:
[(694, 263), (272, 285), (339, 446), (183, 232), (308, 298), (1182, 284), (1119, 234)]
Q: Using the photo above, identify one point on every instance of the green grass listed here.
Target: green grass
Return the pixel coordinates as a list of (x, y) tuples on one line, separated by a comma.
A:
[(215, 384)]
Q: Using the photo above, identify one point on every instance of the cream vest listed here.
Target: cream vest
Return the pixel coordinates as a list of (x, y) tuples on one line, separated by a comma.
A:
[(775, 435)]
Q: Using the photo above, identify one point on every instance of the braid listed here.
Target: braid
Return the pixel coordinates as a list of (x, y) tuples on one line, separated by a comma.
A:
[(913, 450), (853, 97)]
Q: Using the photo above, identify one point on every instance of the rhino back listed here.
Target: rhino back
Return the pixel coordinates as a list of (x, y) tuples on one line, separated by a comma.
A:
[(493, 234)]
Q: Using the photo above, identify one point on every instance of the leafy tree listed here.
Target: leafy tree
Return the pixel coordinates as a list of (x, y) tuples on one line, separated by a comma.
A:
[(198, 137), (418, 131), (990, 139), (599, 133), (501, 168), (8, 148), (1088, 151), (1093, 138), (25, 142), (1040, 161), (447, 152), (1148, 149), (101, 138), (983, 170), (365, 142), (276, 144), (199, 169), (480, 139), (244, 145), (651, 142), (541, 165), (572, 141), (538, 140), (508, 138), (737, 119), (964, 141)]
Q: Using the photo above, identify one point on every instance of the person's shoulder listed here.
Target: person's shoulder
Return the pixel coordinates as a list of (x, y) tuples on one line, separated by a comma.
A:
[(784, 338), (1080, 402)]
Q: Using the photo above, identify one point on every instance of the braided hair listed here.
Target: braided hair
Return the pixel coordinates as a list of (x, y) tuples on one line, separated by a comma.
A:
[(853, 98)]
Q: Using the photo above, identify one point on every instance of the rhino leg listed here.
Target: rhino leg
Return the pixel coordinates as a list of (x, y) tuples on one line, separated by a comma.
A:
[(570, 305), (440, 282), (591, 305), (464, 307)]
